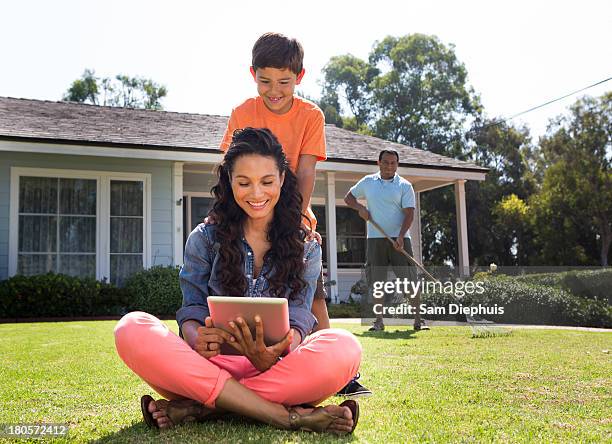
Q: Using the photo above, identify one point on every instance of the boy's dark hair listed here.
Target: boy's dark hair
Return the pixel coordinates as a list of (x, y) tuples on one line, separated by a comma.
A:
[(274, 50), (380, 155)]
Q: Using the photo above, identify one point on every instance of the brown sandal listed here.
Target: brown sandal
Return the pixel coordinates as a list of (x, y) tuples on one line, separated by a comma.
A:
[(319, 420), (179, 411)]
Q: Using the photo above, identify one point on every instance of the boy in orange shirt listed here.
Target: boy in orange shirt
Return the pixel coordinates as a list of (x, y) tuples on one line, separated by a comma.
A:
[(299, 125)]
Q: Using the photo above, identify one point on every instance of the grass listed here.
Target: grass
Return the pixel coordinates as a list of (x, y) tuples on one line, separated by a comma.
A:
[(436, 386)]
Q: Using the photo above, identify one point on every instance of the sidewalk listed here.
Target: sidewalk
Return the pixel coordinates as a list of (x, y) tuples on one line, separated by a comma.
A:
[(409, 322)]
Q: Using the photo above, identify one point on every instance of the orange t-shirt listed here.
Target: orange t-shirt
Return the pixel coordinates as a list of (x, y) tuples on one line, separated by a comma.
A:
[(301, 130)]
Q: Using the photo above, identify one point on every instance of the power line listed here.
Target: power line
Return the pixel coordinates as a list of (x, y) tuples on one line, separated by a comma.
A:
[(547, 103)]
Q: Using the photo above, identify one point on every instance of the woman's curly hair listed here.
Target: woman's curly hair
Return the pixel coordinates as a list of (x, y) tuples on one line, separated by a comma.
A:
[(285, 233)]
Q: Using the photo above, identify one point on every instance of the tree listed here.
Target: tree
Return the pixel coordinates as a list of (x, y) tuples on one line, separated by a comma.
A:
[(349, 77), (122, 91), (509, 154), (412, 90), (510, 216), (562, 230), (576, 194), (84, 89)]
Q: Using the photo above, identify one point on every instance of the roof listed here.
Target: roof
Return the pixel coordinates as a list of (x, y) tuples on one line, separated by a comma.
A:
[(82, 124)]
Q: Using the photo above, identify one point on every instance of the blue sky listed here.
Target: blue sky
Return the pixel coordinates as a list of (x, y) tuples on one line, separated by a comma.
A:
[(518, 54)]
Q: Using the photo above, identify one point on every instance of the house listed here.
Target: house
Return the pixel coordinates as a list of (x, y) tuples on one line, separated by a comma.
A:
[(99, 191)]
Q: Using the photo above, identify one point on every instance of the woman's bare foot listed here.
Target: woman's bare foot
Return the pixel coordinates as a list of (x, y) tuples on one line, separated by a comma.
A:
[(170, 413), (343, 423), (158, 411)]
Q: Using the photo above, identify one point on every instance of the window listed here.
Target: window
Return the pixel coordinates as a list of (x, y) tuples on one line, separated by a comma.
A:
[(86, 224), (126, 229), (350, 236), (57, 226)]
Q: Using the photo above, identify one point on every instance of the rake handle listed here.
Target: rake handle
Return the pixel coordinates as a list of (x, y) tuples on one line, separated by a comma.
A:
[(483, 324), (404, 252)]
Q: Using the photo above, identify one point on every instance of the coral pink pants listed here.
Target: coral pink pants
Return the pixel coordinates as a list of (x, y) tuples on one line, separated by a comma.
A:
[(321, 365)]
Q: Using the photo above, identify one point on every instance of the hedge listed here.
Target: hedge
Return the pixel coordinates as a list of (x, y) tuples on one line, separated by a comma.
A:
[(565, 300), (155, 291), (591, 284), (58, 295), (343, 310), (527, 303)]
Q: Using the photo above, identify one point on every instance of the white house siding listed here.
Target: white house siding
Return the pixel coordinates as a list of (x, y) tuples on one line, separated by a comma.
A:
[(161, 194), (200, 182)]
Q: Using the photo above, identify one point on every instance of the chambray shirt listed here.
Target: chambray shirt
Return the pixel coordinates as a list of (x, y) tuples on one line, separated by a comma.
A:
[(199, 278), (385, 202)]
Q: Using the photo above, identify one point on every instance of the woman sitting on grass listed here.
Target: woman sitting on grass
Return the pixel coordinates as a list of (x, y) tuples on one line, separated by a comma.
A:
[(256, 248)]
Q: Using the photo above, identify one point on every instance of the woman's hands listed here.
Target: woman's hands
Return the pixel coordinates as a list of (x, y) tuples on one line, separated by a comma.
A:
[(209, 339), (261, 356)]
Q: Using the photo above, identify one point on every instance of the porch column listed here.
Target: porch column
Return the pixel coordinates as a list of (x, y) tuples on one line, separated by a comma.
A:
[(330, 226), (415, 230), (463, 256), (177, 213)]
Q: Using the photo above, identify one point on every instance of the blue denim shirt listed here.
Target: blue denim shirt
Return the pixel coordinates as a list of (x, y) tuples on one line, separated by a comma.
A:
[(199, 279)]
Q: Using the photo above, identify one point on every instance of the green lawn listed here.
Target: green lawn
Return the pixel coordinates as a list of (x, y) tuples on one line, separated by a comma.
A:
[(436, 386)]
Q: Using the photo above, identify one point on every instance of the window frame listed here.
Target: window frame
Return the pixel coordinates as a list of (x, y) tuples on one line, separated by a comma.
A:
[(187, 195), (103, 181)]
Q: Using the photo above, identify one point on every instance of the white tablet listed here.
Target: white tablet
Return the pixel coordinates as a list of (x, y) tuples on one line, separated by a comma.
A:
[(274, 313)]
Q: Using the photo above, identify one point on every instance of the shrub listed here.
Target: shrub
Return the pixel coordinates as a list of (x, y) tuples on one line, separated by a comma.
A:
[(539, 304), (592, 284), (527, 303), (350, 310), (58, 295), (156, 291)]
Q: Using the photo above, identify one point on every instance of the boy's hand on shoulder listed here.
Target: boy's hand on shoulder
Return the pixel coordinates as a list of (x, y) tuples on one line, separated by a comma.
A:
[(210, 219), (311, 234)]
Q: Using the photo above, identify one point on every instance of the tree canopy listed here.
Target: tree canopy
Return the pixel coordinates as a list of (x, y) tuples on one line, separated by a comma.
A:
[(575, 200), (411, 90), (121, 91)]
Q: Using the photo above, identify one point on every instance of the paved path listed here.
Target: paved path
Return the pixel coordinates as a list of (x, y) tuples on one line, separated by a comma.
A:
[(408, 322)]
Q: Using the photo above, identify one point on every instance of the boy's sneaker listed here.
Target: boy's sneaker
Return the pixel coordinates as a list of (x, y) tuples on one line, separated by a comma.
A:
[(377, 326), (421, 326), (354, 390)]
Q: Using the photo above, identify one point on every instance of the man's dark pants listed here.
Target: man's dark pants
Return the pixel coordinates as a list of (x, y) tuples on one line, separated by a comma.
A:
[(380, 255)]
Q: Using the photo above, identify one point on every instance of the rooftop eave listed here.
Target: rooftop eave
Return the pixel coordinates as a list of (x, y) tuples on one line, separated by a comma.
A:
[(213, 155)]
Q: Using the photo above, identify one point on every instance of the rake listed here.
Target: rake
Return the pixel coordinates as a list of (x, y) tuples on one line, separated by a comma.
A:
[(481, 327)]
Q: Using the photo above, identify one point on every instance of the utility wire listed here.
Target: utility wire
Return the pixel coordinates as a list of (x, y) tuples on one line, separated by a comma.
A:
[(544, 104)]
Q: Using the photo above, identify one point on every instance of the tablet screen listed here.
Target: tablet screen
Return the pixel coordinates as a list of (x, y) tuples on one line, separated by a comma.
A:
[(274, 313)]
